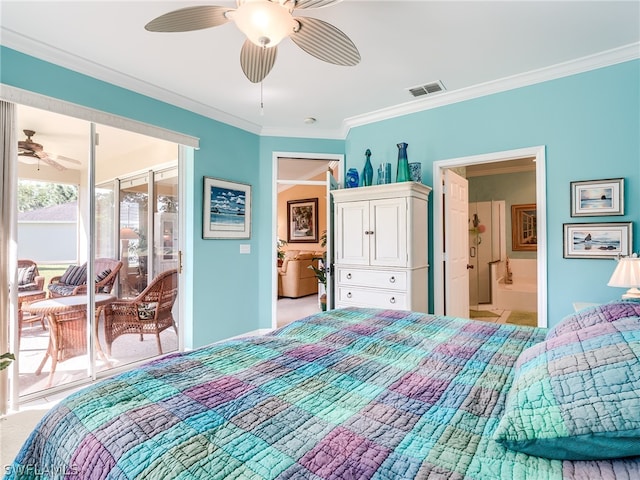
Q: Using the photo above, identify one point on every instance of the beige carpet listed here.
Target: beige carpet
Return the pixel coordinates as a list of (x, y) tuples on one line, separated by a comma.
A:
[(529, 319), (14, 430)]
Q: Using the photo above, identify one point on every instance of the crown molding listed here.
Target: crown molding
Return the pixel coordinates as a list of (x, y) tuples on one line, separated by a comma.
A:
[(33, 47), (48, 53), (592, 62), (326, 134)]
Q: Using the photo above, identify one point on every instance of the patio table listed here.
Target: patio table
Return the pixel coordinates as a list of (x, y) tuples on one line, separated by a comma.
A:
[(67, 327)]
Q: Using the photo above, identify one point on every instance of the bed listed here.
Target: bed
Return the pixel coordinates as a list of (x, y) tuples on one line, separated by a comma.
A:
[(357, 394)]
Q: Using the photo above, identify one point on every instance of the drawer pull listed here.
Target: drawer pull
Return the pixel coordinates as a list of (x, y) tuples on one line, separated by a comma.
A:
[(349, 295), (393, 300), (348, 276), (392, 280)]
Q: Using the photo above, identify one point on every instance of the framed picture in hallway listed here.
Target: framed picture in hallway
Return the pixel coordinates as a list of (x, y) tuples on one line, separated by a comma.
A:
[(524, 227), (594, 198), (597, 240), (226, 209), (302, 221)]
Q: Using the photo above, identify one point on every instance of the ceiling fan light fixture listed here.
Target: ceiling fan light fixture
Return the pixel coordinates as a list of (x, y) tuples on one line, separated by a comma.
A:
[(265, 23)]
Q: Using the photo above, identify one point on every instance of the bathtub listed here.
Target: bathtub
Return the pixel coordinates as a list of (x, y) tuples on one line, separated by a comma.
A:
[(522, 294)]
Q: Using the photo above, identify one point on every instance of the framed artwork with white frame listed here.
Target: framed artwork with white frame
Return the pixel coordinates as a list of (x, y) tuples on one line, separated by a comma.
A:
[(593, 198), (597, 240), (226, 209)]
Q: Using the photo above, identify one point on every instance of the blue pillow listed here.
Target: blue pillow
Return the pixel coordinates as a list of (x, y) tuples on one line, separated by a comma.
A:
[(577, 396)]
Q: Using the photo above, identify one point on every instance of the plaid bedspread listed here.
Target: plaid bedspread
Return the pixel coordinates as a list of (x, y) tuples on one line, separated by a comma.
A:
[(348, 394)]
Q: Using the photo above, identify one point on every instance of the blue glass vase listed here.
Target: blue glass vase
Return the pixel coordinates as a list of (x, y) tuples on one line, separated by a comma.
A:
[(403, 174), (367, 173), (353, 179)]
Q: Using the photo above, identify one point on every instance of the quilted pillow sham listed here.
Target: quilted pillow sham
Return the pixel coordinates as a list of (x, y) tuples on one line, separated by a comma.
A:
[(577, 396), (608, 312)]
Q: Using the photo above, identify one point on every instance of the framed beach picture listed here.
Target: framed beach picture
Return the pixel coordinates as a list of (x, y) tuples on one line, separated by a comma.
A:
[(302, 221), (597, 240), (592, 198), (226, 209)]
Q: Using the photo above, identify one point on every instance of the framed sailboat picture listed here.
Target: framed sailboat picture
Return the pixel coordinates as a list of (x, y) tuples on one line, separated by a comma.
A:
[(226, 209), (597, 240)]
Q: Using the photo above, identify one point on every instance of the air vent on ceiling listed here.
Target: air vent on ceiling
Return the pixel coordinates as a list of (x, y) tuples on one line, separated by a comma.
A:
[(427, 89)]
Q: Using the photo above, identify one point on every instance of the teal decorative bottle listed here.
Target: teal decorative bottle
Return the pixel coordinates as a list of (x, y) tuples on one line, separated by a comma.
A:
[(367, 174), (403, 174)]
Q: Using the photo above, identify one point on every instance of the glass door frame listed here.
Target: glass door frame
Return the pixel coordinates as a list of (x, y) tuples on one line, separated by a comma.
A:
[(87, 249)]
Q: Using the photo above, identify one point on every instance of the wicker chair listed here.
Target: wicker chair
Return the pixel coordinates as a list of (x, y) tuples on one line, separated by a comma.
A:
[(30, 291), (104, 284), (149, 312)]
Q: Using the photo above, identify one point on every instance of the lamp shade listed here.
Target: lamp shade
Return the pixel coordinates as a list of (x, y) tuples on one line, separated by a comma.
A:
[(264, 23), (627, 275), (127, 233)]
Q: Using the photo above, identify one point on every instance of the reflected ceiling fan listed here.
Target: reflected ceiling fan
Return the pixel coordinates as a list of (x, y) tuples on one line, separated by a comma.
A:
[(265, 23), (32, 152)]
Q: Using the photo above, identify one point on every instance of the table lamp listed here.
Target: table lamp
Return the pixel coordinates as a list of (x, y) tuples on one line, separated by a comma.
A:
[(627, 275)]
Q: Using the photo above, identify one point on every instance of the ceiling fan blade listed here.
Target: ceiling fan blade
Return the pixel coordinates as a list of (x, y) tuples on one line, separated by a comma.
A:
[(326, 42), (45, 158), (314, 3), (28, 159), (190, 18), (62, 158), (257, 61)]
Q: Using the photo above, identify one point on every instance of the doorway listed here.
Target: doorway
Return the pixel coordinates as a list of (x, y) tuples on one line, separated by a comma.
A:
[(497, 161), (301, 177)]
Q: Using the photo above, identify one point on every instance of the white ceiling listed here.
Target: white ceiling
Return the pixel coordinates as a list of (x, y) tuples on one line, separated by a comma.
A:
[(465, 45)]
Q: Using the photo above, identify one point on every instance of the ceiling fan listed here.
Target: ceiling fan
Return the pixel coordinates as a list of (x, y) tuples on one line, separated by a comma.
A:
[(31, 152), (265, 23)]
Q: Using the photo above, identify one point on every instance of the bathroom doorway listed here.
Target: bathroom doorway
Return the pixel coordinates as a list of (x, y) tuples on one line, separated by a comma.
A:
[(493, 178), (503, 280)]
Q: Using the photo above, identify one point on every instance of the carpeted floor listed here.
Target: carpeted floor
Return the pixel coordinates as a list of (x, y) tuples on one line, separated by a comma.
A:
[(530, 319)]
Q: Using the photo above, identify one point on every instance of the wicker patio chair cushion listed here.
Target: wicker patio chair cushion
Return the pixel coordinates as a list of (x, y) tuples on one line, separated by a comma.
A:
[(74, 275), (62, 290), (26, 278), (146, 311), (101, 276)]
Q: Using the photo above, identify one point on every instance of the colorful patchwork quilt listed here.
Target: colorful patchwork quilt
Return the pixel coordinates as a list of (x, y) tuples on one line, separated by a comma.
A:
[(347, 394)]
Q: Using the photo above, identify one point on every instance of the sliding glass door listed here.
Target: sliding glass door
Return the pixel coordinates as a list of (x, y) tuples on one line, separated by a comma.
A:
[(97, 252)]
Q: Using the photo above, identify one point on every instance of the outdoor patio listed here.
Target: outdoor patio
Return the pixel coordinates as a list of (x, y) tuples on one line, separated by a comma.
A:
[(125, 349)]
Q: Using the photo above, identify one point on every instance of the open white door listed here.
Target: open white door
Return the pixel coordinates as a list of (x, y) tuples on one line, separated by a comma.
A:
[(456, 245), (332, 184)]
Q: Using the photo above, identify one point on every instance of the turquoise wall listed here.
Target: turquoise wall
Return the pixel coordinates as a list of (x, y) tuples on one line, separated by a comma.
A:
[(515, 189), (590, 124)]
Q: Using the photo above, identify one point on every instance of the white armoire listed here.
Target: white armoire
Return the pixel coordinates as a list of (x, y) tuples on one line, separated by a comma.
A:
[(381, 246)]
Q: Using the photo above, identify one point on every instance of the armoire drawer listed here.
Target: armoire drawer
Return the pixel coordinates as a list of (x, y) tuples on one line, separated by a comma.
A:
[(371, 298), (389, 279)]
